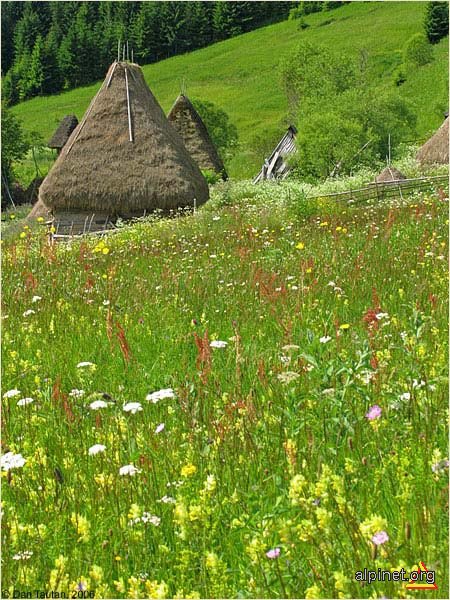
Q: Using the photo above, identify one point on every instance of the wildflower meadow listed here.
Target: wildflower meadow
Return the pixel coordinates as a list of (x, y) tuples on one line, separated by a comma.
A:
[(249, 401)]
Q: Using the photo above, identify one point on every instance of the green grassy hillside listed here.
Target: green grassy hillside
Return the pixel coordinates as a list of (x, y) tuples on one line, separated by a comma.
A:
[(241, 74)]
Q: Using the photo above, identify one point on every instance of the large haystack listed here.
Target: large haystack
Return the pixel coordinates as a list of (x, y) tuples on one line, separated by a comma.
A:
[(123, 158), (436, 149), (186, 120), (62, 133), (389, 174)]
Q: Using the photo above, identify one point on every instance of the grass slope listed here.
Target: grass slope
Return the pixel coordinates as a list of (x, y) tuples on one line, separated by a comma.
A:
[(241, 74), (321, 422)]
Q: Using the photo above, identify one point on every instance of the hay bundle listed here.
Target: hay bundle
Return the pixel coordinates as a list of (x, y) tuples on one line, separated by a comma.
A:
[(435, 150), (186, 120), (389, 174), (100, 170), (62, 133)]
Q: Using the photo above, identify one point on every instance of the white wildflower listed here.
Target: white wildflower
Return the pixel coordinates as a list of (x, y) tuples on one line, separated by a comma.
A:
[(218, 344), (36, 298), (132, 407), (29, 312), (159, 428), (129, 470), (96, 449), (98, 404), (324, 339), (76, 393), (12, 461), (25, 401), (82, 365), (160, 395), (11, 394)]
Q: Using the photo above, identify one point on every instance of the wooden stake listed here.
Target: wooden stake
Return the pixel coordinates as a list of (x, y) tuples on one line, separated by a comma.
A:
[(110, 75), (118, 50), (128, 106)]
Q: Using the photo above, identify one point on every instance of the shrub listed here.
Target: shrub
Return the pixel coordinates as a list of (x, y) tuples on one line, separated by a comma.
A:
[(399, 75), (418, 51), (436, 21), (223, 133)]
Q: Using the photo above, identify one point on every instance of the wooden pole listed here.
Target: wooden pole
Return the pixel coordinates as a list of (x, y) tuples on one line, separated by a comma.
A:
[(128, 106), (118, 50), (128, 54)]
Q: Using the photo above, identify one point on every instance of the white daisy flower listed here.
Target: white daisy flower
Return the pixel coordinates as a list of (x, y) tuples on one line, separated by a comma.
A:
[(160, 428), (12, 461), (11, 394), (324, 339), (218, 344), (160, 395), (96, 449), (98, 404), (132, 407), (129, 470), (25, 401)]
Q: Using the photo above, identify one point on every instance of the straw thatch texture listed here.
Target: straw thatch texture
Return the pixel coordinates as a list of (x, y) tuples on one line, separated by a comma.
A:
[(389, 174), (62, 134), (186, 120), (436, 149), (39, 210), (100, 170)]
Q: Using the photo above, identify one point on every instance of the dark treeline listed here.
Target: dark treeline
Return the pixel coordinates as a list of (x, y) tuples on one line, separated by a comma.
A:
[(51, 46)]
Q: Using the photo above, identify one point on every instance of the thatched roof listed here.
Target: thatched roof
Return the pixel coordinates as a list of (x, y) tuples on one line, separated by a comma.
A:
[(123, 157), (436, 149), (62, 134), (389, 174), (39, 210), (186, 120)]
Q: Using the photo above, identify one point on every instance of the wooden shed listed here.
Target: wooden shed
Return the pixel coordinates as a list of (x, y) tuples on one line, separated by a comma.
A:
[(276, 167)]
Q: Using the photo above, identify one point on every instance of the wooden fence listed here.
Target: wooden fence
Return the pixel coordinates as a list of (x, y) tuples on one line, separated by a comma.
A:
[(388, 189)]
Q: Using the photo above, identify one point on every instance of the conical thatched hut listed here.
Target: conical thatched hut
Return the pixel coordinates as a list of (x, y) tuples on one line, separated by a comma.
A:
[(123, 159), (435, 150), (62, 133), (186, 120), (389, 174)]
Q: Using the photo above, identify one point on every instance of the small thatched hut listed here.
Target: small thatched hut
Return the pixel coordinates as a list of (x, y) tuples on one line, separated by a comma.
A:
[(123, 159), (62, 133), (389, 174), (435, 150), (186, 120)]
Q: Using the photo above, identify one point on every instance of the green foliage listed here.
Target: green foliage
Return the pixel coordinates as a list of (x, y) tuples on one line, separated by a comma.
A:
[(436, 21), (223, 133), (14, 142), (313, 72), (418, 51), (399, 75), (211, 176), (85, 36), (342, 122)]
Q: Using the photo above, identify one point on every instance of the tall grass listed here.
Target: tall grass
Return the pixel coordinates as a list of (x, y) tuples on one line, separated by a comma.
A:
[(317, 423)]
